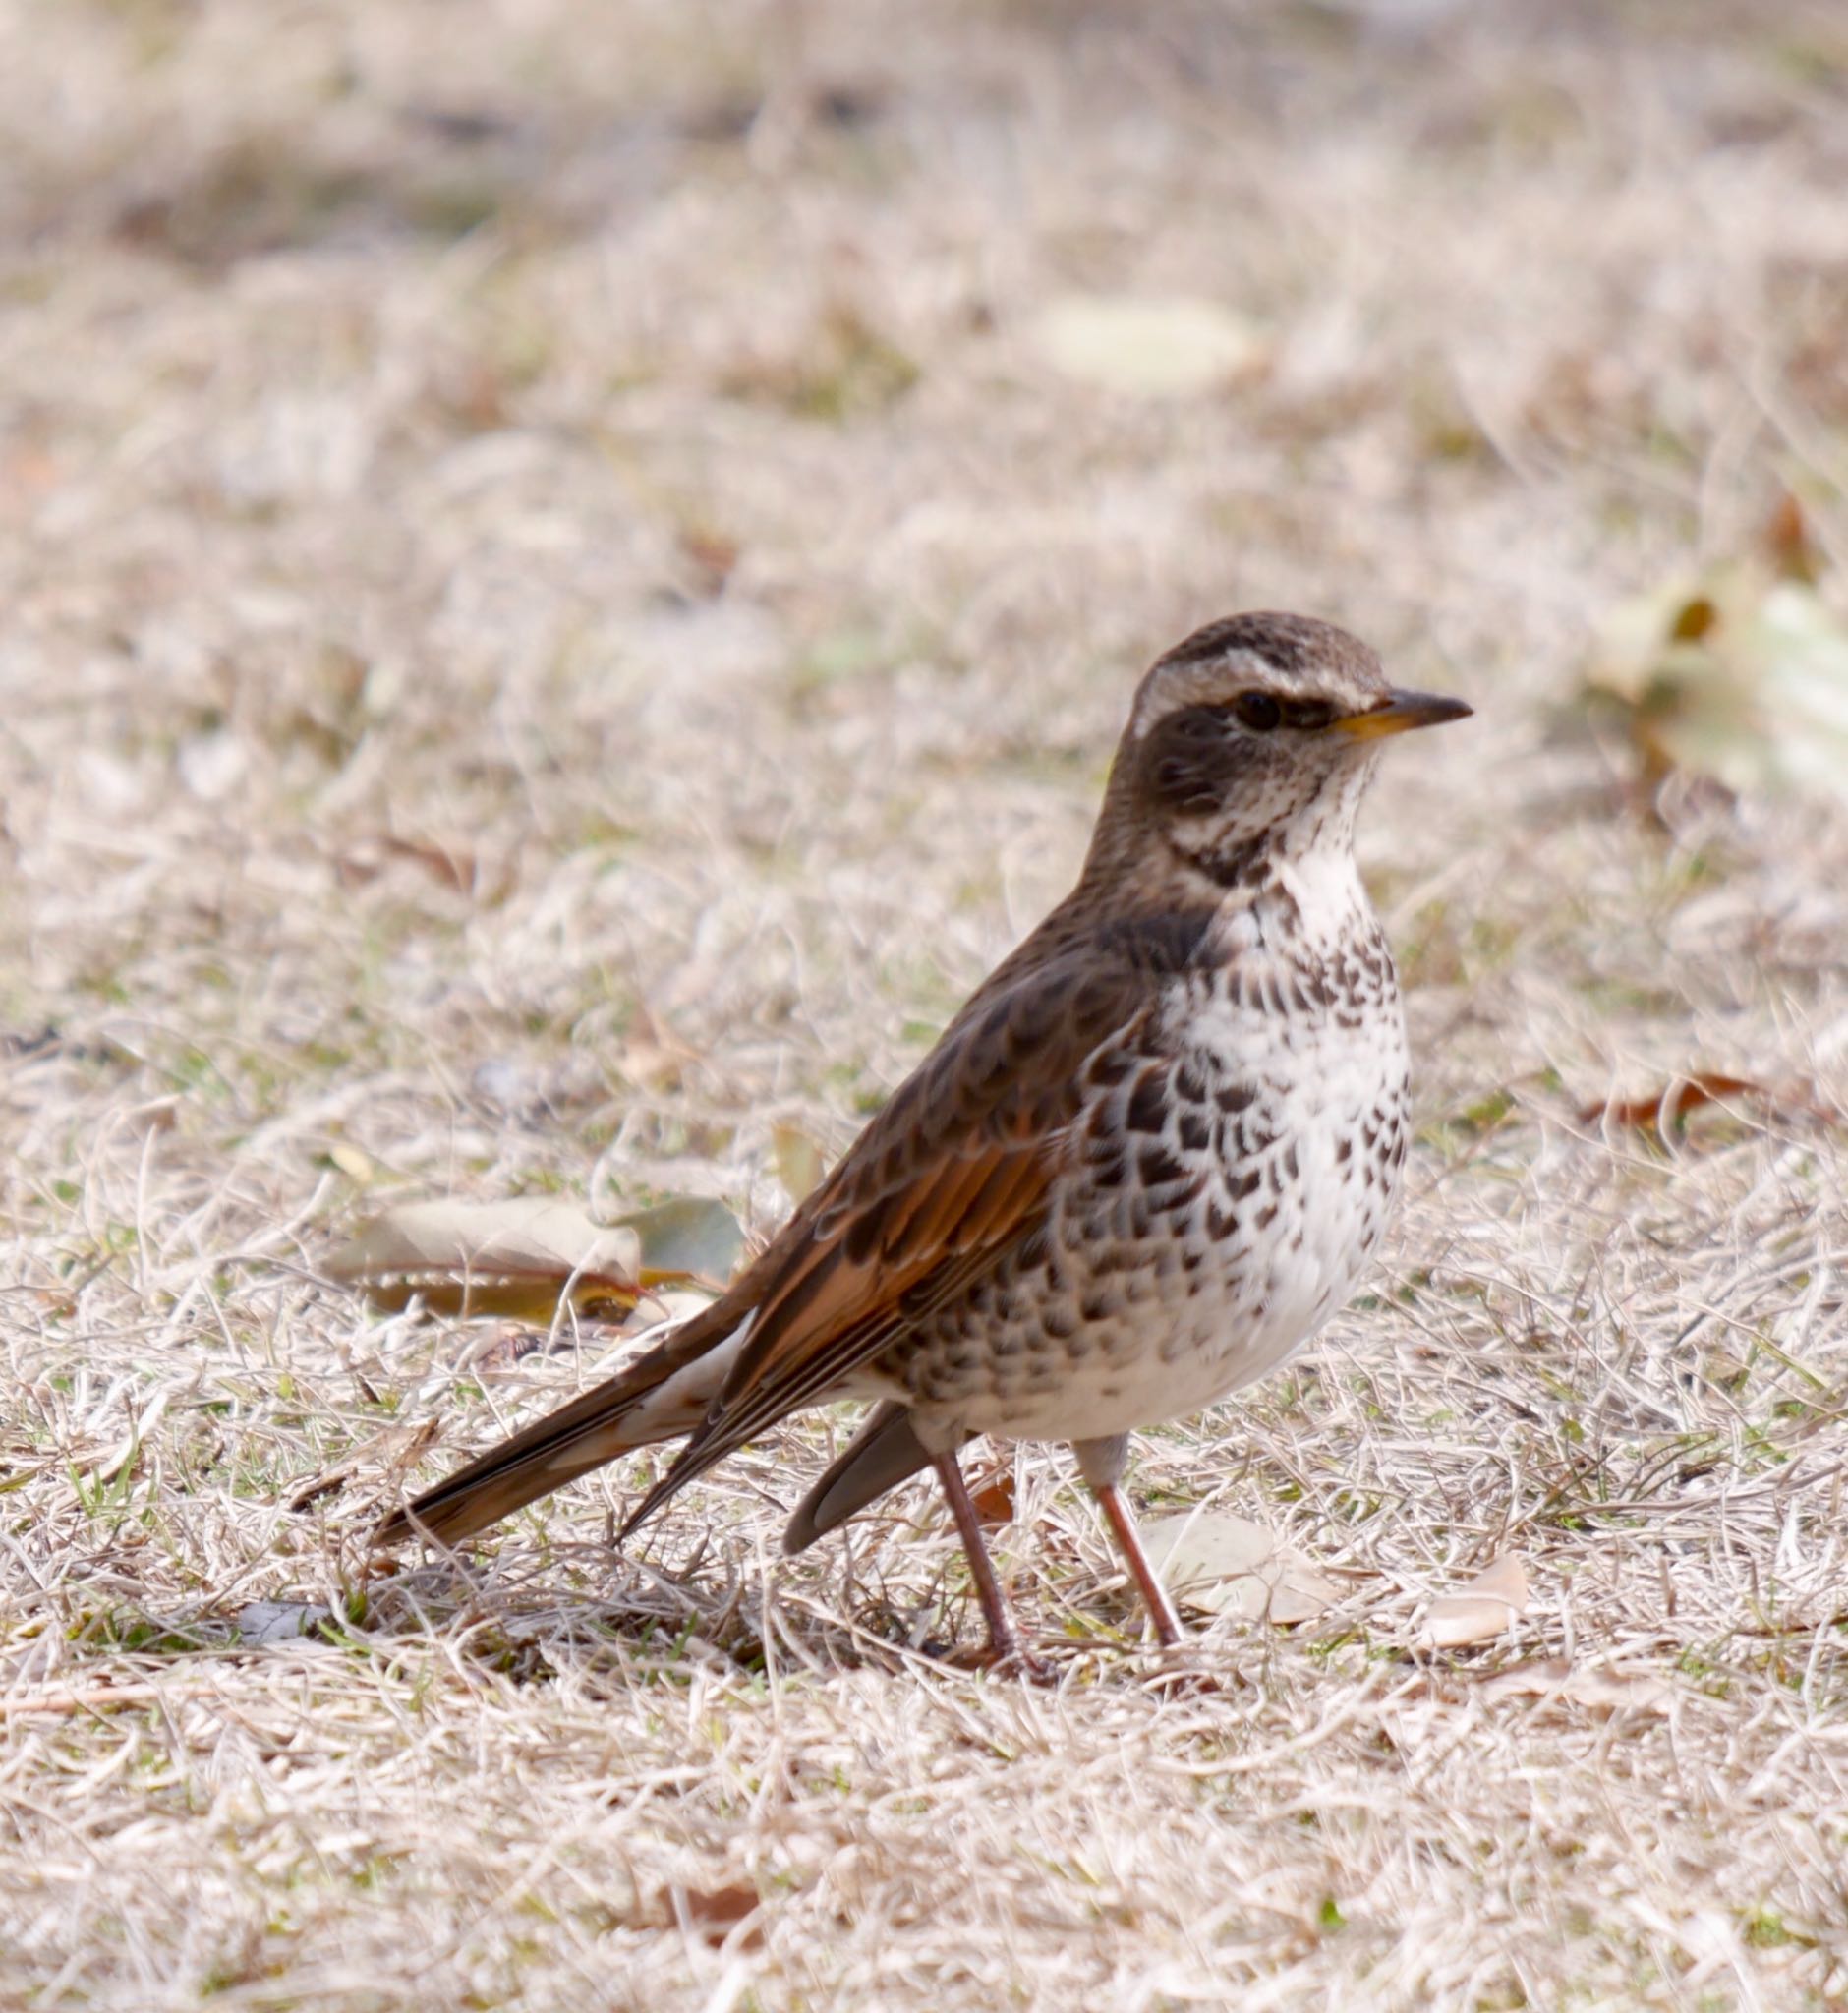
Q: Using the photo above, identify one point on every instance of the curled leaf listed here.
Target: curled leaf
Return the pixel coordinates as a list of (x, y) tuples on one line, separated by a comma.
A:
[(1488, 1606), (517, 1258), (522, 1258), (1665, 1111)]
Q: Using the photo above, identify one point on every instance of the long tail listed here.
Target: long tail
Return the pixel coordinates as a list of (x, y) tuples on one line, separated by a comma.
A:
[(660, 1397)]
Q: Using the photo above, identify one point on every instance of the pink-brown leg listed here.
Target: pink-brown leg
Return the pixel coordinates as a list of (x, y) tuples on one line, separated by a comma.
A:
[(1101, 1462), (1161, 1609), (1003, 1639)]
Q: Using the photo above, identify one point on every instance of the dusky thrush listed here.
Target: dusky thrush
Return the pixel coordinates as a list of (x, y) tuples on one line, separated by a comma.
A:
[(1143, 1164)]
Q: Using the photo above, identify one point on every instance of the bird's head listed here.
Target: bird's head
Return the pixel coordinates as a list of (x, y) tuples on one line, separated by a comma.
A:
[(1254, 738)]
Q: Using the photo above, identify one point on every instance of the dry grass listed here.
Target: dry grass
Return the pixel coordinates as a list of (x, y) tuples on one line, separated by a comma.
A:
[(554, 621)]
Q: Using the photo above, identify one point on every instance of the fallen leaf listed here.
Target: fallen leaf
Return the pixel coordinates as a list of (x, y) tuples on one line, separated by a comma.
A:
[(520, 1259), (801, 1163), (1174, 347), (356, 1165), (455, 867), (1487, 1607), (1738, 674), (517, 1258), (709, 554), (993, 1498), (715, 1912), (1598, 1691), (1723, 1369), (687, 1238), (1788, 542), (1213, 1562), (1667, 1108), (513, 1344), (280, 1621), (660, 1307), (1225, 1565), (652, 1057), (1301, 1592)]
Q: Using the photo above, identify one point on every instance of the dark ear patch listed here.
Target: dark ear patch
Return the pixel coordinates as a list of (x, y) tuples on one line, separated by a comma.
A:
[(1187, 762)]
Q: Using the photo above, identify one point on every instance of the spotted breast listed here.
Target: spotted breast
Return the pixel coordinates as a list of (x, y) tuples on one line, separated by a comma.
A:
[(1229, 1169)]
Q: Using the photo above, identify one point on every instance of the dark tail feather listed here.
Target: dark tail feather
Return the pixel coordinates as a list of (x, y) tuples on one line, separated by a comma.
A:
[(632, 1408), (884, 1452)]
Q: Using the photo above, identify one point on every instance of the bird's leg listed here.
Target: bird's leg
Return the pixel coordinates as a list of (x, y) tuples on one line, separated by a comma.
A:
[(1003, 1639), (1161, 1609), (1101, 1462)]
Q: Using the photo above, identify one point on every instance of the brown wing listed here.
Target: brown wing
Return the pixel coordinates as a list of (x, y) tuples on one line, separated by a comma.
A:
[(952, 1175)]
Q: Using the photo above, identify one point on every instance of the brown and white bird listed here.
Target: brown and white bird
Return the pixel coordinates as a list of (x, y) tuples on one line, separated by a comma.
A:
[(1144, 1164)]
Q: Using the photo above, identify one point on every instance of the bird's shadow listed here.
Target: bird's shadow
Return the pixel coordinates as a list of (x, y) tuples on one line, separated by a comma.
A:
[(605, 1615)]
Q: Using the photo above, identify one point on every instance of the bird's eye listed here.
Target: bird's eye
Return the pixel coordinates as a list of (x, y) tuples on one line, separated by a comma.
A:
[(1257, 710)]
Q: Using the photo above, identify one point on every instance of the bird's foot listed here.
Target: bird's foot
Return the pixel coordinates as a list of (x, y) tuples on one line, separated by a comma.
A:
[(1024, 1665), (1009, 1659)]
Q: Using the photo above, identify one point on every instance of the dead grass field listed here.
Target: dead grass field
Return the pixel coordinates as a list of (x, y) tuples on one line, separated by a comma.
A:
[(553, 618)]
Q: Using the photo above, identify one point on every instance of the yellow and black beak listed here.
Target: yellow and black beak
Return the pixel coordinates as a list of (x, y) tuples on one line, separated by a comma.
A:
[(1400, 711)]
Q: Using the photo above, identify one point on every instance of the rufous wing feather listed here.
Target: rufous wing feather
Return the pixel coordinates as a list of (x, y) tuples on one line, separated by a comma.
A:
[(954, 1174)]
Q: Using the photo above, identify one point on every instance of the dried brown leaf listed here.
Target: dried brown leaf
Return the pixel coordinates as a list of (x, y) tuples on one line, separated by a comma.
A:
[(522, 1257), (451, 866), (1598, 1691), (713, 1913), (1664, 1110), (517, 1258), (1228, 1565), (993, 1498), (1488, 1606)]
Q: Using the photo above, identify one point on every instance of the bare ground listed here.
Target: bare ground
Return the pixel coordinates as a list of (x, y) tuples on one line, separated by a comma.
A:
[(553, 618)]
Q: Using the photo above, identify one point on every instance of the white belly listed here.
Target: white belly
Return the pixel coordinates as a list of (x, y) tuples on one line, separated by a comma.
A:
[(1192, 1257)]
